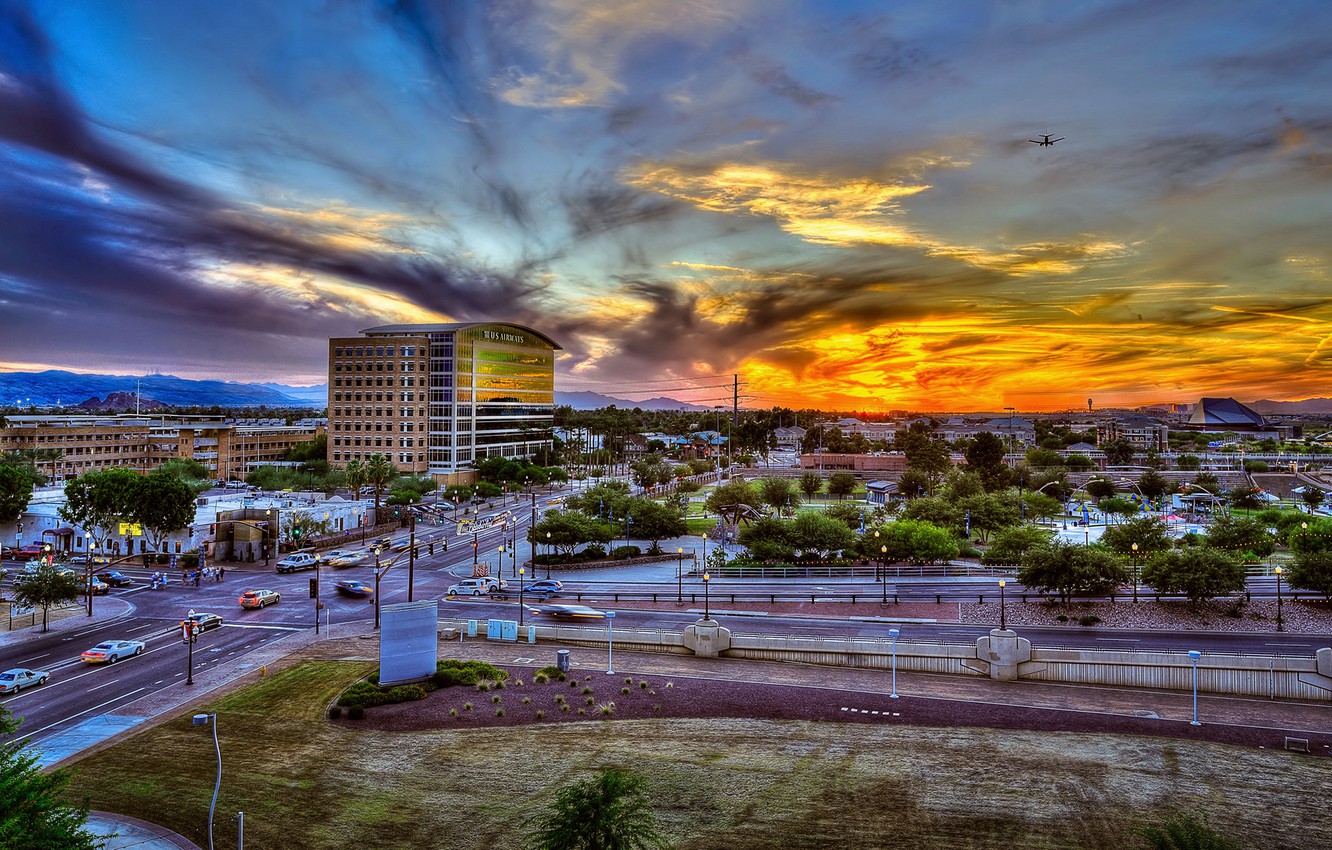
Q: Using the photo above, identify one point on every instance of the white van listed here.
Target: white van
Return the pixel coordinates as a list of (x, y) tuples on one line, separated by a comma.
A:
[(476, 586)]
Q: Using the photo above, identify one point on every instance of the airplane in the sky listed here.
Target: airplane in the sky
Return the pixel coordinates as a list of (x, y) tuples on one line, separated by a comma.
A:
[(1046, 141)]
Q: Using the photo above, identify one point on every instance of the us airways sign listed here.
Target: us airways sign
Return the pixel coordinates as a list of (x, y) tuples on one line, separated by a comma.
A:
[(500, 336)]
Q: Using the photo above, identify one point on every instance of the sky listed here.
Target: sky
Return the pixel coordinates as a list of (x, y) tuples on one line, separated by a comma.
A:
[(837, 201)]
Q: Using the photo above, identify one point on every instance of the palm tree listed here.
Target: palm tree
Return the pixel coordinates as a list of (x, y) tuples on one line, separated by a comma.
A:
[(379, 471), (355, 473), (609, 811)]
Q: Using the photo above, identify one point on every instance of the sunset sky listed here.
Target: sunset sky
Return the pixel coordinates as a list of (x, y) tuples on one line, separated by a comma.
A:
[(836, 200)]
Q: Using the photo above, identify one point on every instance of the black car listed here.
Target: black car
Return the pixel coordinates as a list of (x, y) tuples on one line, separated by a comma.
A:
[(115, 578), (206, 620)]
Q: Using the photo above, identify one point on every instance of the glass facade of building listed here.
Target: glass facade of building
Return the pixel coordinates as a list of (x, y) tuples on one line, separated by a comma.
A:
[(478, 390)]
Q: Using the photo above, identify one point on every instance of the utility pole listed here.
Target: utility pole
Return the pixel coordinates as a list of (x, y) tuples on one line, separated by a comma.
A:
[(411, 552)]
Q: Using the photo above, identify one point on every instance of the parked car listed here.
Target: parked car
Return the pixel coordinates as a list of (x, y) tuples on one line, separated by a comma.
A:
[(31, 552), (352, 587), (297, 561), (112, 651), (571, 612), (116, 578), (12, 681), (476, 586), (259, 598), (206, 620), (546, 586)]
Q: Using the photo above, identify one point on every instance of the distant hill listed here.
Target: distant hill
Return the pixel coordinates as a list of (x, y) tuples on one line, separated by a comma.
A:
[(593, 401), (90, 392), (1308, 406)]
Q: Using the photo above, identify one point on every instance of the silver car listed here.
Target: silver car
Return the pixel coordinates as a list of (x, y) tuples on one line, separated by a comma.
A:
[(12, 681)]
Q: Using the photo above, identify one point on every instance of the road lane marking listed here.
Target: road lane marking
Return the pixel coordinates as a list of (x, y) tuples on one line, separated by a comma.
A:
[(81, 713), (258, 626), (33, 658)]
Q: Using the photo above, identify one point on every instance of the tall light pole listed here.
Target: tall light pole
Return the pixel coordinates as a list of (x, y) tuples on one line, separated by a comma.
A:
[(204, 720), (610, 642), (1194, 655), (679, 575), (378, 574), (1135, 572), (268, 536), (522, 571), (893, 633), (883, 572), (189, 634), (1280, 626), (707, 608), (1003, 619), (92, 556), (880, 566), (548, 554)]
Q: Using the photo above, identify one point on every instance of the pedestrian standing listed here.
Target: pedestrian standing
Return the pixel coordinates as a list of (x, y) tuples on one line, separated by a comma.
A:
[(221, 572), (196, 578)]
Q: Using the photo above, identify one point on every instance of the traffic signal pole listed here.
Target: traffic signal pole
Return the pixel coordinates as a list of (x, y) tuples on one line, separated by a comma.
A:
[(411, 554)]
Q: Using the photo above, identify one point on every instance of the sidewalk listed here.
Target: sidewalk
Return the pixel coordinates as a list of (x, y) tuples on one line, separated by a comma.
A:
[(104, 610), (134, 833)]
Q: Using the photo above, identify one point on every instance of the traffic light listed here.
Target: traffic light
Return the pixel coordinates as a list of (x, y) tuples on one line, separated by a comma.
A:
[(395, 513), (313, 589), (296, 533), (212, 529)]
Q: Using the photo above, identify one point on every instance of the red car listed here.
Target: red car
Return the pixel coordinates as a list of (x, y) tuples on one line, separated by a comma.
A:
[(31, 552)]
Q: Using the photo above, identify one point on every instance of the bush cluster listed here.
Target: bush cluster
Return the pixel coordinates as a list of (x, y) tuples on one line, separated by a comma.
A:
[(367, 693), (451, 672)]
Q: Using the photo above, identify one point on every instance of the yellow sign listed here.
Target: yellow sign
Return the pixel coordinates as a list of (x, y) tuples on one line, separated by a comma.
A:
[(131, 529)]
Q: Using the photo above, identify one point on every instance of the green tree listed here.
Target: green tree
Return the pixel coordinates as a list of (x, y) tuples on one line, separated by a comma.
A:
[(1067, 569), (1188, 462), (1078, 461), (1039, 506), (356, 475), (651, 520), (1101, 488), (1311, 496), (1154, 485), (47, 586), (1147, 531), (1184, 831), (34, 811), (733, 492), (841, 484), (1010, 545), (917, 541), (819, 535), (1043, 457), (610, 811), (985, 457), (1312, 571), (933, 509), (379, 471), (195, 475), (1198, 572), (768, 539), (15, 492), (161, 504), (1244, 497), (779, 492), (914, 483), (986, 514), (1246, 538), (570, 529), (810, 484), (98, 501), (959, 485), (1119, 507), (850, 514), (1118, 452)]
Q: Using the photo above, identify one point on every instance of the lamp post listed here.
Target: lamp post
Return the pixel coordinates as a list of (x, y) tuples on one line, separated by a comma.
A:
[(610, 642), (1135, 572), (1003, 619), (92, 556), (893, 633), (705, 550), (879, 567), (1280, 626), (377, 577), (189, 634), (1194, 655), (522, 571), (268, 536), (679, 575), (707, 608), (204, 720), (548, 554), (883, 572)]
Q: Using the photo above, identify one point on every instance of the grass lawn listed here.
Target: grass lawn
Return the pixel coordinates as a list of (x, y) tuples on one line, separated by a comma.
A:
[(743, 784)]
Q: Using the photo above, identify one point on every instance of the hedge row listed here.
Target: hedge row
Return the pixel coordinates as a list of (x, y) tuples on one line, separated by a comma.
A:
[(367, 693)]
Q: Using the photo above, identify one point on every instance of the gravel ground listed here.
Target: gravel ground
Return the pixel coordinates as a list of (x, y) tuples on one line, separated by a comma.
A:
[(1218, 616)]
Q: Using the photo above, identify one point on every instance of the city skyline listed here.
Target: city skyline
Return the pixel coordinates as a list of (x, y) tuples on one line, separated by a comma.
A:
[(838, 202)]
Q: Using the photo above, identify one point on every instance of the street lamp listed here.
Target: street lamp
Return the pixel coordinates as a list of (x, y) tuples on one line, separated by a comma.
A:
[(707, 608), (92, 556), (204, 720), (378, 574), (705, 549), (268, 535), (1194, 655), (1003, 619), (880, 566), (893, 633), (679, 575), (522, 571), (548, 554), (1280, 626), (610, 642), (883, 573), (1135, 572)]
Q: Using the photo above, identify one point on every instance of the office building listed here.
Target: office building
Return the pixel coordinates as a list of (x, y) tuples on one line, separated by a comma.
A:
[(436, 398)]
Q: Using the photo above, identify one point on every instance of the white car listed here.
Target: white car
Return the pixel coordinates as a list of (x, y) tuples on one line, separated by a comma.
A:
[(12, 681), (476, 586), (297, 561), (112, 651)]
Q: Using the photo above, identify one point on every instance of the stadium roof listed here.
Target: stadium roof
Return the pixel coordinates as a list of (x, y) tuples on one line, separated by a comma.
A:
[(1225, 412)]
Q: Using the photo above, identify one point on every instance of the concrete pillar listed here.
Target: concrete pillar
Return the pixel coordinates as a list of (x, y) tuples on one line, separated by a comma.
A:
[(1003, 651), (707, 638)]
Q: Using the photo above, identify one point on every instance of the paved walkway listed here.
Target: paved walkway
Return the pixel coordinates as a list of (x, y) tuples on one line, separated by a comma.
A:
[(134, 834), (104, 609)]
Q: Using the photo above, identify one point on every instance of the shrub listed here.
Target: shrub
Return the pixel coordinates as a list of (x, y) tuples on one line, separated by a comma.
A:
[(651, 693), (643, 684), (670, 684), (622, 553), (367, 695), (518, 683), (452, 672), (453, 712), (335, 712), (497, 686), (587, 690), (540, 715), (624, 691), (629, 681), (656, 706), (573, 683), (1061, 618), (540, 679), (527, 700), (499, 712), (356, 712), (582, 711), (606, 707), (467, 706), (481, 686), (564, 706), (497, 699), (590, 701), (1088, 620)]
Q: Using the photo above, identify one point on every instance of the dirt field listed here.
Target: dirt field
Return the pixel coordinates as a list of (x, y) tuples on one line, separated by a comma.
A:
[(747, 784)]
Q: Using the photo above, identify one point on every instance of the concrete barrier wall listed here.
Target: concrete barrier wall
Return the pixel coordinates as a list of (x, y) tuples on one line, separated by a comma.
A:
[(1278, 677)]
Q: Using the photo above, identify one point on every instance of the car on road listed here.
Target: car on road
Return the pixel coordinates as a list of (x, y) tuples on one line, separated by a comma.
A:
[(546, 587), (100, 588), (259, 598), (297, 561), (82, 559), (205, 620), (31, 552), (570, 612), (112, 651), (383, 542), (401, 545), (335, 555), (115, 578), (352, 587), (351, 559), (12, 681)]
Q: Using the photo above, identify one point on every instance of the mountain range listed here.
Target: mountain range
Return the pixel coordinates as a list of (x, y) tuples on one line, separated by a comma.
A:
[(88, 392)]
